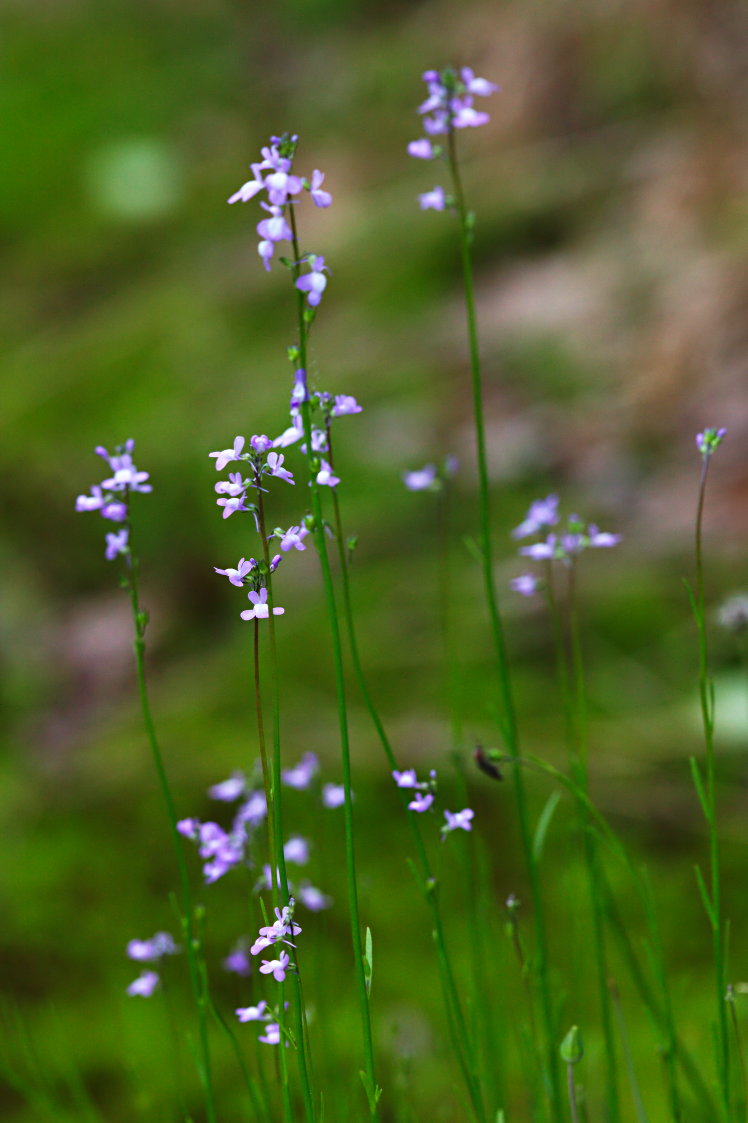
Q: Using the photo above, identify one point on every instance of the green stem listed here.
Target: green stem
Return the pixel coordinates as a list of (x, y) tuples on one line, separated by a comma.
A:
[(508, 720), (337, 653), (191, 940), (706, 698)]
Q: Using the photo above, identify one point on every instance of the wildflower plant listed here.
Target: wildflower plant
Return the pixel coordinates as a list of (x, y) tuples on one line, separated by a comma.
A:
[(250, 842)]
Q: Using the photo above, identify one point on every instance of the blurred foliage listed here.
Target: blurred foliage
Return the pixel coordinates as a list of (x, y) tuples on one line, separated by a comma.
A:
[(610, 193)]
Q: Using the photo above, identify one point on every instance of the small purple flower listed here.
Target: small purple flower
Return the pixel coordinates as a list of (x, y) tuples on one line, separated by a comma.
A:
[(252, 812), (189, 828), (421, 801), (260, 443), (459, 820), (261, 610), (271, 1036), (293, 538), (300, 776), (345, 404), (422, 149), (249, 189), (321, 198), (252, 1013), (274, 467), (313, 899), (232, 505), (598, 538), (314, 282), (296, 850), (144, 985), (333, 795), (148, 951), (434, 200), (116, 544), (526, 584), (325, 476), (422, 479), (541, 551), (276, 967), (228, 454), (236, 576), (542, 513), (709, 441), (406, 779), (237, 962), (229, 790)]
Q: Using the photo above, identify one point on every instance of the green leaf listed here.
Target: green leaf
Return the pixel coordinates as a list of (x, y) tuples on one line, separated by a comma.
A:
[(368, 961), (544, 823)]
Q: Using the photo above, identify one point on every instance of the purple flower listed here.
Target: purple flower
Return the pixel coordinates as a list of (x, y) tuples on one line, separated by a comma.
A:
[(709, 441), (313, 899), (148, 951), (127, 477), (144, 985), (406, 779), (236, 576), (333, 795), (274, 467), (293, 538), (228, 454), (260, 443), (421, 801), (189, 828), (300, 776), (325, 476), (252, 1013), (296, 850), (526, 584), (261, 610), (229, 790), (542, 513), (449, 104), (320, 197), (434, 200), (459, 820), (116, 544), (249, 189), (422, 479), (232, 505), (541, 550), (252, 812), (344, 404), (314, 282), (277, 967), (237, 962), (271, 1036), (600, 538), (422, 149)]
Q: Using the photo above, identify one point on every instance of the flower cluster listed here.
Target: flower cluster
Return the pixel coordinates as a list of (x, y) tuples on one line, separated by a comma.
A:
[(449, 106), (149, 951), (555, 546), (423, 797), (273, 174), (269, 935), (111, 497), (709, 440)]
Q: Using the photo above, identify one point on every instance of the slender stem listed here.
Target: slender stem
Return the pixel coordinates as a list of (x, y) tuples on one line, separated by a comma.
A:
[(706, 698), (192, 943), (508, 719), (337, 653), (572, 1090)]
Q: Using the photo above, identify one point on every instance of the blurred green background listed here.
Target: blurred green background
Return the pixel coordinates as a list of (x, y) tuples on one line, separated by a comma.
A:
[(612, 285)]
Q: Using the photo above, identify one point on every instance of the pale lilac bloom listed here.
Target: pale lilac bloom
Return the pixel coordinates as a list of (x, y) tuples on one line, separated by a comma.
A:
[(249, 189), (325, 476), (229, 790), (459, 820), (314, 282), (144, 985), (422, 479), (320, 197), (284, 925), (289, 436), (252, 812), (526, 584), (228, 454), (275, 228), (233, 486), (333, 795), (296, 850), (542, 513), (189, 828), (312, 898), (261, 610), (238, 963), (422, 149), (293, 538), (127, 477), (406, 779), (276, 967), (601, 538), (236, 576), (434, 200), (421, 801), (232, 505), (271, 1036), (280, 184), (480, 86), (344, 404), (541, 550), (274, 467), (147, 951), (300, 776), (260, 443), (252, 1013), (299, 391), (93, 502), (116, 544)]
